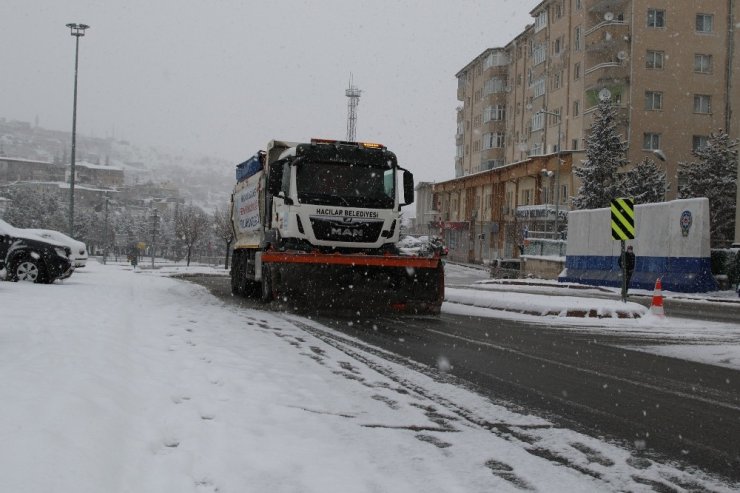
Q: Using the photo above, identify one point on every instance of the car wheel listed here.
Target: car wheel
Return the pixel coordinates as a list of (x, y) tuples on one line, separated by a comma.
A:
[(27, 269)]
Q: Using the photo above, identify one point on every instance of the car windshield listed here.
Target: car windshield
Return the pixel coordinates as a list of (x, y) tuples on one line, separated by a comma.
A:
[(345, 184)]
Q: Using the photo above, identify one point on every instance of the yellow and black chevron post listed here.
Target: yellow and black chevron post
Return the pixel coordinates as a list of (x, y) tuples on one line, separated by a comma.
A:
[(623, 219)]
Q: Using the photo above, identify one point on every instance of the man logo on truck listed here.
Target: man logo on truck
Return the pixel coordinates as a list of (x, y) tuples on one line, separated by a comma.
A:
[(352, 232)]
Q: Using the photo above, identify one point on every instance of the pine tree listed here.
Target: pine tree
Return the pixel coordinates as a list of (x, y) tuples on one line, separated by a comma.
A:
[(605, 154), (714, 175), (645, 183)]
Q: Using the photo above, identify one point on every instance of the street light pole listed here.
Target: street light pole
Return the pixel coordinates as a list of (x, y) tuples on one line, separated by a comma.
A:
[(105, 232), (76, 30), (155, 223), (557, 170), (661, 155)]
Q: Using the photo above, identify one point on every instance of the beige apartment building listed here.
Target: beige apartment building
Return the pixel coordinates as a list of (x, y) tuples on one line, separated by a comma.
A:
[(671, 67)]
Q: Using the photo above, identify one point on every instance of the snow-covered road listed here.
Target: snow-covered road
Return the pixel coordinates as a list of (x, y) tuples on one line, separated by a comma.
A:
[(119, 381)]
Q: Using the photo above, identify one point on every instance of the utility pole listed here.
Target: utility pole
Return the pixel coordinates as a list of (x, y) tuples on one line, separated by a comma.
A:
[(76, 30)]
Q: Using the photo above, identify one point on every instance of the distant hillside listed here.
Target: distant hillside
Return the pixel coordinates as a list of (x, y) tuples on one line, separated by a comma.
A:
[(204, 180)]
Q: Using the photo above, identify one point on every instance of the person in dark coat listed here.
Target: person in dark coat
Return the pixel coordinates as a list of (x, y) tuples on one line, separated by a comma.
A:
[(629, 263)]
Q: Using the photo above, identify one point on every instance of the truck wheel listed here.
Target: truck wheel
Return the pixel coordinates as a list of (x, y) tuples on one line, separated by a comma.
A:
[(237, 274), (266, 284), (27, 269)]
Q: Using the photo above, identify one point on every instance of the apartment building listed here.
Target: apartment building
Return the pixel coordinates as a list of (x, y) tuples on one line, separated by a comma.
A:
[(671, 67)]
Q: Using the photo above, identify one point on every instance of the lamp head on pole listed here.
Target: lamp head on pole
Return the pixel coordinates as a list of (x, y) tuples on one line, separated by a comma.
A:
[(77, 29), (660, 154)]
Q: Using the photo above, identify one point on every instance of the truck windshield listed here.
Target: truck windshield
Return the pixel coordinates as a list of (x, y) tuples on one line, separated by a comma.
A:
[(345, 184)]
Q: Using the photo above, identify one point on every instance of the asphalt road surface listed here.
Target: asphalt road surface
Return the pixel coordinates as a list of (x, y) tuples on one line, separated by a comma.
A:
[(686, 411)]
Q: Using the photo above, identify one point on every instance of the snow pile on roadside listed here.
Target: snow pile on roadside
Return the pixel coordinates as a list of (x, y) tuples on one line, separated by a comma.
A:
[(544, 305)]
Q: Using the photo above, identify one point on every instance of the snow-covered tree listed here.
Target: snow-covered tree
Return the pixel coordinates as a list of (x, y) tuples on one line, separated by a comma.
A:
[(645, 183), (31, 209), (191, 224), (714, 175), (605, 154), (223, 230)]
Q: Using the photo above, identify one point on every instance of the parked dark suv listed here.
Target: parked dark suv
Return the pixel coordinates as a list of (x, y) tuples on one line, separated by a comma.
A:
[(28, 257)]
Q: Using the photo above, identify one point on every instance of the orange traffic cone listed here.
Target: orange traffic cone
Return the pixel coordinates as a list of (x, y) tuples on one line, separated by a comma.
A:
[(656, 307)]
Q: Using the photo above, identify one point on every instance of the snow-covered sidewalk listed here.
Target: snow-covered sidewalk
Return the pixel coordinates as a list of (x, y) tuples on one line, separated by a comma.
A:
[(123, 381)]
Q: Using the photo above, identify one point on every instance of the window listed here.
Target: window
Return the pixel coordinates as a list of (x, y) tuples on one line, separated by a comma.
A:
[(539, 53), (654, 59), (540, 21), (462, 81), (704, 23), (698, 141), (703, 64), (459, 151), (655, 18), (538, 88), (494, 140), (651, 141), (496, 59), (538, 121), (491, 164), (577, 39), (577, 71), (564, 194), (494, 113), (527, 196), (556, 81), (555, 118), (495, 84), (653, 100), (579, 5), (557, 46), (574, 144), (702, 103), (576, 108)]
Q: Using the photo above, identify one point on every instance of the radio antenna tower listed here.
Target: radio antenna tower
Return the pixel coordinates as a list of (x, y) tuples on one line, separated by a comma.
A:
[(353, 93)]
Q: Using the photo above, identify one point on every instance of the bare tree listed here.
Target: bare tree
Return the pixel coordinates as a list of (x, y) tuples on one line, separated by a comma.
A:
[(223, 230), (191, 223)]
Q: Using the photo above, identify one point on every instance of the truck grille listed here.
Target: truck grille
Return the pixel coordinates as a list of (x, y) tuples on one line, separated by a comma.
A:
[(353, 231)]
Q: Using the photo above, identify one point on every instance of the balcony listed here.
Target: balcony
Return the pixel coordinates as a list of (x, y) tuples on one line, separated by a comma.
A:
[(607, 72), (608, 36), (601, 6)]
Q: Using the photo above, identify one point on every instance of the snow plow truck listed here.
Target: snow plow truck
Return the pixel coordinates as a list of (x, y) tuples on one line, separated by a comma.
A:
[(319, 222)]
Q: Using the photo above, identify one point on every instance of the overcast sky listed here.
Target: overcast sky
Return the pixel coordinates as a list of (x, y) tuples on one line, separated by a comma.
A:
[(224, 77)]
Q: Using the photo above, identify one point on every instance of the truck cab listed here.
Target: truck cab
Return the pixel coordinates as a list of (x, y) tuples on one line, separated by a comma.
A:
[(338, 195)]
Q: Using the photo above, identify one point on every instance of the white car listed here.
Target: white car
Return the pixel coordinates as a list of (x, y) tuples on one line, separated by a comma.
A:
[(79, 249)]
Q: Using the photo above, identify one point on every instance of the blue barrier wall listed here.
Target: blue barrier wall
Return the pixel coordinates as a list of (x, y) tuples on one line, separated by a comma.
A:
[(671, 243)]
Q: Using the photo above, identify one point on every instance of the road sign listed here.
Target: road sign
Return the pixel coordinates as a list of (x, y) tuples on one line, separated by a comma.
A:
[(623, 219)]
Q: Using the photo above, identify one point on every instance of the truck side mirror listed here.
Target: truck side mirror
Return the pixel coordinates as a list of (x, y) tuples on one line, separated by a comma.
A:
[(275, 178), (408, 188)]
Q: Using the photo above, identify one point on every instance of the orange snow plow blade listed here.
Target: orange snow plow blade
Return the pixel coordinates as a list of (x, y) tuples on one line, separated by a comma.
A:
[(358, 284), (351, 260)]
